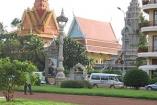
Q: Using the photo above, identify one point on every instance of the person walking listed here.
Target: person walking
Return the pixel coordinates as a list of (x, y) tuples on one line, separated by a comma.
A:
[(27, 85)]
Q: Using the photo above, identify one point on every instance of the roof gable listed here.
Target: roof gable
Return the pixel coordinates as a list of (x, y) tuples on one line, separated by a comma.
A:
[(26, 22), (46, 25), (75, 30), (96, 30), (98, 36)]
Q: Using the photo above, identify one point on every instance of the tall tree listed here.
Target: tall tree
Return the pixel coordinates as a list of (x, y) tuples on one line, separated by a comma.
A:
[(16, 22), (142, 45), (143, 21), (23, 48), (2, 28), (142, 37), (74, 53), (11, 75), (9, 46), (35, 51)]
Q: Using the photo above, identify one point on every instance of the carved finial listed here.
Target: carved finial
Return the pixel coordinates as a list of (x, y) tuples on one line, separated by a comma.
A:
[(41, 5), (62, 12), (62, 18), (73, 14)]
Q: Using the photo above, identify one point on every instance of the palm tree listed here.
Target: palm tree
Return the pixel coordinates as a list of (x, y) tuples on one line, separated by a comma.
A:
[(2, 28), (16, 23), (35, 51)]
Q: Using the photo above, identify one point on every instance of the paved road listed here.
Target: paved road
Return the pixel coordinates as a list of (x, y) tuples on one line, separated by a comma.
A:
[(86, 100)]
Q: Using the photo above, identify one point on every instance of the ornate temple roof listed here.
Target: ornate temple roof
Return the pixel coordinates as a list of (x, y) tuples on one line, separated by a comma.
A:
[(40, 21), (97, 30), (98, 36)]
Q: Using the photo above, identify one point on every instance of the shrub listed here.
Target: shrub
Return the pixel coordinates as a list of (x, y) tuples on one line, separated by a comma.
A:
[(154, 80), (136, 78), (37, 81), (94, 71), (76, 84), (106, 71), (12, 75), (112, 72)]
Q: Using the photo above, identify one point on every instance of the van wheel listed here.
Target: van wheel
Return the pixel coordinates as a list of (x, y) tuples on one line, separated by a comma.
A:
[(112, 86), (149, 88), (95, 85)]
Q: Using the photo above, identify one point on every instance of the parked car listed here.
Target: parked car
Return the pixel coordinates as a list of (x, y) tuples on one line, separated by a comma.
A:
[(41, 77), (151, 86), (105, 80)]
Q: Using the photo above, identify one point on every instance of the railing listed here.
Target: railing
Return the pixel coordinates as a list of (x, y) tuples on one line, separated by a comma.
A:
[(149, 23), (148, 49), (145, 2), (145, 49)]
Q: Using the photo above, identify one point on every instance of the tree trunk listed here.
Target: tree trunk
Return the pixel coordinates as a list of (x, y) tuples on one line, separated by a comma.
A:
[(137, 88), (9, 95)]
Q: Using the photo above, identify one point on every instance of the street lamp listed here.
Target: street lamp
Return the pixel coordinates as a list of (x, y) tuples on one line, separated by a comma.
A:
[(121, 11), (124, 39), (61, 20)]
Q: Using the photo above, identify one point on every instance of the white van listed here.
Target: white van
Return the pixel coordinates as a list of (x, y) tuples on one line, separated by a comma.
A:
[(105, 80)]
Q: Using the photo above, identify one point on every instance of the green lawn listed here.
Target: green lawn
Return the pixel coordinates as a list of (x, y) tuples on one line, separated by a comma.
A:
[(128, 93), (31, 102)]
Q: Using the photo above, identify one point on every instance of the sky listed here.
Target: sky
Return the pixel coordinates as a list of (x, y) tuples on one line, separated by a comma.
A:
[(101, 10)]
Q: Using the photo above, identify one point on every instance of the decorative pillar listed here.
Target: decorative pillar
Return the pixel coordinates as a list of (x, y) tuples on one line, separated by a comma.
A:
[(62, 20)]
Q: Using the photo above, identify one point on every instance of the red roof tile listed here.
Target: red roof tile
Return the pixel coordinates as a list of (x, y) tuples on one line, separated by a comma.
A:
[(96, 30), (102, 47), (102, 50)]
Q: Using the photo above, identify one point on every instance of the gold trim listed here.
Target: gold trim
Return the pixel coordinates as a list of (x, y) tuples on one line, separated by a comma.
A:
[(47, 20), (43, 17), (36, 15)]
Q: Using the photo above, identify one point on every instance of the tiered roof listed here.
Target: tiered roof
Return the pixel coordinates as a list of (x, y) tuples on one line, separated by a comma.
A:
[(98, 37), (39, 20)]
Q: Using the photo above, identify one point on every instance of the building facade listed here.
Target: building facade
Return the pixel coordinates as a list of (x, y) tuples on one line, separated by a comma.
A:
[(40, 21), (150, 7), (130, 35), (97, 37)]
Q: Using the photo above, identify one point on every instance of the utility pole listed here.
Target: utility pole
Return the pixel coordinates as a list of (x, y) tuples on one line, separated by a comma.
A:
[(123, 42)]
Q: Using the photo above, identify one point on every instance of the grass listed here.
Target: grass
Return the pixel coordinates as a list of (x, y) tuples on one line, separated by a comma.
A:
[(32, 102), (127, 93)]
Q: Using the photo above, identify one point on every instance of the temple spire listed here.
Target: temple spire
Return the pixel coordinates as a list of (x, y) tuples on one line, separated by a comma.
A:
[(41, 6), (130, 38)]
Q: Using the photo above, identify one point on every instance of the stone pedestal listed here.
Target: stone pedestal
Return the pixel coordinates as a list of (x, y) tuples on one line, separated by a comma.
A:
[(59, 81), (60, 77)]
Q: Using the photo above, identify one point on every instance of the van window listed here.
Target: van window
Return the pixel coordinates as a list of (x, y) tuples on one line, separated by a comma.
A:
[(116, 78), (104, 77), (95, 77), (111, 78)]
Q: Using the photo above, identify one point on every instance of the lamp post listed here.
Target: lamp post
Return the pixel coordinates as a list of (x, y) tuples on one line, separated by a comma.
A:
[(61, 20), (124, 39)]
